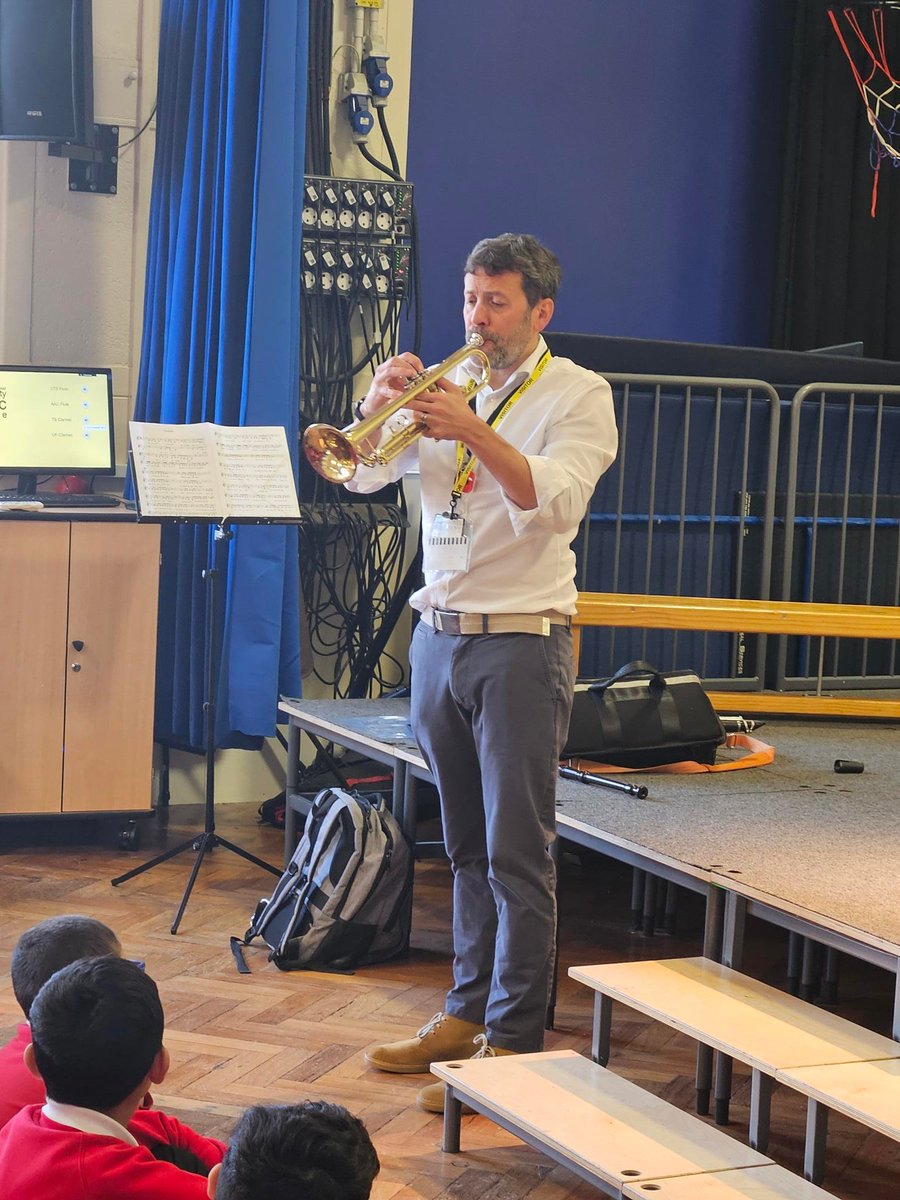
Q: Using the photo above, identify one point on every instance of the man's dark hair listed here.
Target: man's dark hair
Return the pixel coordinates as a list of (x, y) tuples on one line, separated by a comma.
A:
[(96, 1027), (311, 1151), (53, 944), (538, 266)]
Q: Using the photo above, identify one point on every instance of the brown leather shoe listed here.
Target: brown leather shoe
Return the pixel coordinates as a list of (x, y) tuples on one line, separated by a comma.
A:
[(431, 1098), (441, 1038)]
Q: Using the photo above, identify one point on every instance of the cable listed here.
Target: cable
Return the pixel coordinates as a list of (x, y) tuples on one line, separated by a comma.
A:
[(388, 140), (415, 291), (379, 166), (122, 145), (352, 549)]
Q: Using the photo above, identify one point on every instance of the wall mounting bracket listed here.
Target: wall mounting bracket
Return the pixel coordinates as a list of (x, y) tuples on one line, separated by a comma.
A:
[(94, 167)]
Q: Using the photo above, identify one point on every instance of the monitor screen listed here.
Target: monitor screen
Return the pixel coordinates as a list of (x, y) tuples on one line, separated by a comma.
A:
[(56, 421)]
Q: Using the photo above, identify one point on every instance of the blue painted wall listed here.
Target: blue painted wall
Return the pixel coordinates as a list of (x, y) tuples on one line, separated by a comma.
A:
[(641, 139)]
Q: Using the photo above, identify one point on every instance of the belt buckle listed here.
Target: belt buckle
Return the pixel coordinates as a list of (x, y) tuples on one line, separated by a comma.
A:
[(446, 622)]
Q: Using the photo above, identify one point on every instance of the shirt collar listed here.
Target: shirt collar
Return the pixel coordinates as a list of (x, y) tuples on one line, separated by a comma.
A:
[(87, 1120)]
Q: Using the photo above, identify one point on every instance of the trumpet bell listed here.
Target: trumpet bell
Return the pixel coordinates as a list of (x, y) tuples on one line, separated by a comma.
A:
[(330, 452)]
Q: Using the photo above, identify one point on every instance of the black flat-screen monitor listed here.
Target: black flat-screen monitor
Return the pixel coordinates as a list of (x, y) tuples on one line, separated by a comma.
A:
[(55, 421)]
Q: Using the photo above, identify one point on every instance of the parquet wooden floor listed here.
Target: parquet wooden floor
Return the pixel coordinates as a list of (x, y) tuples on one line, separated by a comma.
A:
[(270, 1037)]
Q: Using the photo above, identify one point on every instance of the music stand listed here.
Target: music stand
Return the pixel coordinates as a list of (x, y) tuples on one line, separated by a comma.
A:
[(150, 456)]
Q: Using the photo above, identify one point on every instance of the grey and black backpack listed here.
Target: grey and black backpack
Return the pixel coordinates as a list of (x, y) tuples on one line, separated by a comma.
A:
[(345, 898)]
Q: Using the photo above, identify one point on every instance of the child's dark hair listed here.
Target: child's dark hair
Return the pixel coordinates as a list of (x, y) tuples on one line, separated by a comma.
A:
[(53, 944), (310, 1151), (96, 1027)]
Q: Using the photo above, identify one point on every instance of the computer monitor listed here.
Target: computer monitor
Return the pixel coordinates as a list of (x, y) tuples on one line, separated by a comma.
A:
[(55, 421)]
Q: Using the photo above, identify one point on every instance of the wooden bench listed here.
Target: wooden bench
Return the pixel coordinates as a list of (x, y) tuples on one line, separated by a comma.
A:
[(714, 613), (739, 1017), (604, 1128), (747, 1183), (868, 1092)]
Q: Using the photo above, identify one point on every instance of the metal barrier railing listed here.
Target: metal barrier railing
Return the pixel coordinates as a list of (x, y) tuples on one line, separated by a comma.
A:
[(686, 509), (840, 515), (699, 503)]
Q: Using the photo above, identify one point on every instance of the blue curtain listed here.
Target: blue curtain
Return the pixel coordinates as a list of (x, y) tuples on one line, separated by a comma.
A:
[(221, 338)]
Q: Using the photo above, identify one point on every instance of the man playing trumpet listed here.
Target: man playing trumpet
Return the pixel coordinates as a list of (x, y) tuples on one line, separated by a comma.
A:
[(506, 478)]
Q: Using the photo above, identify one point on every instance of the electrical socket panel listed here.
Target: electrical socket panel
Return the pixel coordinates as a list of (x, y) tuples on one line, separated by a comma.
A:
[(366, 207), (354, 269), (356, 237)]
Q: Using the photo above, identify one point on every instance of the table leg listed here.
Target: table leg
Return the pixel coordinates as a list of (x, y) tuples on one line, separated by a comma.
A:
[(794, 958), (398, 794), (601, 1030), (733, 932), (712, 928), (704, 1078), (830, 976), (712, 948), (637, 898), (291, 777), (452, 1120), (809, 972), (670, 915), (723, 1087), (760, 1109), (648, 922), (816, 1135)]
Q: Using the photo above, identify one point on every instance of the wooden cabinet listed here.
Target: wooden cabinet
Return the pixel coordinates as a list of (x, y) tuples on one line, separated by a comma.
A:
[(78, 605)]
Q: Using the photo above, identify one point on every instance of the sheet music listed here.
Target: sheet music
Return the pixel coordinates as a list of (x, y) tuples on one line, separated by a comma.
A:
[(256, 473), (214, 471), (175, 470)]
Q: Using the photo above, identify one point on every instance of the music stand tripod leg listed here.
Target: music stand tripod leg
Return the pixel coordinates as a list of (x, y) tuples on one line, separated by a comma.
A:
[(190, 844), (207, 839), (220, 841)]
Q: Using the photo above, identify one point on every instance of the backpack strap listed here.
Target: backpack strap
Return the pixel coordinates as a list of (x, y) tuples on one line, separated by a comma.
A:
[(239, 959)]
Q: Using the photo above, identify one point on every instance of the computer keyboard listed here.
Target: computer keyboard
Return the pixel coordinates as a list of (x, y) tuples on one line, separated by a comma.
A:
[(66, 499)]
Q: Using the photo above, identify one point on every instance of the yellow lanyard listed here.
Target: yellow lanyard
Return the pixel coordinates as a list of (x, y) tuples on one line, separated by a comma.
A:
[(465, 459)]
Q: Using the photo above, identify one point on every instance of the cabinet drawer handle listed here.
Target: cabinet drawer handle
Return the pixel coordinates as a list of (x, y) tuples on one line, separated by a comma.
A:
[(76, 666)]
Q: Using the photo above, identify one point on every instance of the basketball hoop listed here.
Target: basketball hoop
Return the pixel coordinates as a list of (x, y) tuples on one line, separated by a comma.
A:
[(879, 89)]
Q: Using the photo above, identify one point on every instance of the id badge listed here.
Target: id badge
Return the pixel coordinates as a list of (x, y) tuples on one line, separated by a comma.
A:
[(449, 544)]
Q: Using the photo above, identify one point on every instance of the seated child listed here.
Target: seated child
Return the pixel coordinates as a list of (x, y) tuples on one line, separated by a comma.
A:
[(311, 1151), (39, 952), (97, 1043)]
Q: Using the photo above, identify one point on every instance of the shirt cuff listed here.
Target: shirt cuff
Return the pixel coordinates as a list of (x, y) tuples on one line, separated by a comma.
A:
[(549, 480)]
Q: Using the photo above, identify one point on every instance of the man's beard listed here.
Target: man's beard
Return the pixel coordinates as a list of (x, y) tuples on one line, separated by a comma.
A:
[(509, 351)]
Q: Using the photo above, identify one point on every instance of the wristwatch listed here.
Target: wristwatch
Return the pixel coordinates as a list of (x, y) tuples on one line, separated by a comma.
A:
[(357, 410)]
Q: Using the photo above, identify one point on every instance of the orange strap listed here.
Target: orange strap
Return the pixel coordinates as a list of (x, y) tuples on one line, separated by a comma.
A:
[(758, 755)]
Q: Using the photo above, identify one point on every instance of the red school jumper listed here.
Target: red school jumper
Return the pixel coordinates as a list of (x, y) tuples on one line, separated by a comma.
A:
[(42, 1158)]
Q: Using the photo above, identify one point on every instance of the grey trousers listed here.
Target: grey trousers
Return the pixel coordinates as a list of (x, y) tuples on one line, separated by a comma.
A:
[(491, 713)]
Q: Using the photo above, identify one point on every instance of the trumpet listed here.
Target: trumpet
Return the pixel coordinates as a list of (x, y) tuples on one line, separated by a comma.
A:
[(336, 453)]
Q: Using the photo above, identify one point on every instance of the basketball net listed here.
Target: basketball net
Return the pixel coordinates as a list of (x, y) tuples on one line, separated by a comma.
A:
[(879, 89)]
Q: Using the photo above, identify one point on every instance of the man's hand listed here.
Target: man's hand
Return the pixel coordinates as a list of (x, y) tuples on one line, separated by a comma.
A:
[(446, 414), (391, 378)]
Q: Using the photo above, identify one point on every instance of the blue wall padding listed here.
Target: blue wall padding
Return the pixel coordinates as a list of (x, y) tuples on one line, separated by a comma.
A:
[(641, 140)]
